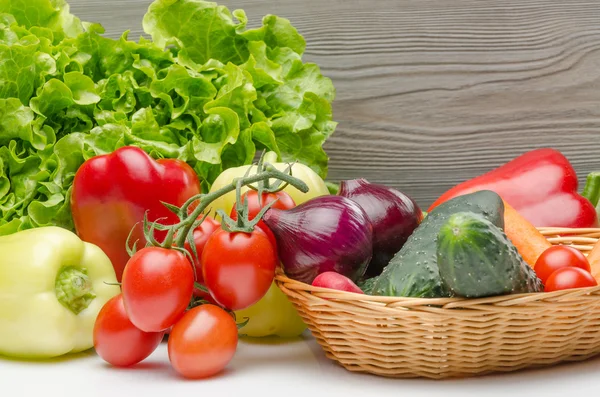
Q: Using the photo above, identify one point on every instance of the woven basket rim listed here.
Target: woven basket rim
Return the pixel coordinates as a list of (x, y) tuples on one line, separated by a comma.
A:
[(503, 300), (458, 302)]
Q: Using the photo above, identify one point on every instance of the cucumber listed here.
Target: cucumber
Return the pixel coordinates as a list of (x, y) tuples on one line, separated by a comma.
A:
[(476, 259), (413, 271), (366, 285)]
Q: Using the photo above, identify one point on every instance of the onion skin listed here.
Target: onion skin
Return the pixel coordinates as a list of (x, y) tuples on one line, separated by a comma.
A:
[(327, 233), (393, 215)]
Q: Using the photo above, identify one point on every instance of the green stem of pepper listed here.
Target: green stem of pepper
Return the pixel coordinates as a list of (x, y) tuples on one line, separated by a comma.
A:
[(73, 289), (591, 191)]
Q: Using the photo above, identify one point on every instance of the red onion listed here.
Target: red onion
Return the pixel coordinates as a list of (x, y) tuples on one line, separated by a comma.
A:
[(394, 217), (327, 233)]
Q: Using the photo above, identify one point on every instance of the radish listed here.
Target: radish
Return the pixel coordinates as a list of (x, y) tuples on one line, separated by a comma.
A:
[(333, 280)]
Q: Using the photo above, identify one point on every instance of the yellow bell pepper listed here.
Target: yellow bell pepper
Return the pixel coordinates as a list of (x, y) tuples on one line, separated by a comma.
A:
[(274, 314), (316, 185), (52, 286)]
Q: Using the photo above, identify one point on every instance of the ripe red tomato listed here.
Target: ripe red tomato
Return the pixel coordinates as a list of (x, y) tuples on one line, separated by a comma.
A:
[(201, 235), (284, 202), (569, 277), (117, 341), (238, 267), (557, 257), (157, 287), (203, 342)]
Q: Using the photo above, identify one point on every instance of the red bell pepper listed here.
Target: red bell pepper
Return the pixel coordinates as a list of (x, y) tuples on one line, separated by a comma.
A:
[(541, 185), (112, 192)]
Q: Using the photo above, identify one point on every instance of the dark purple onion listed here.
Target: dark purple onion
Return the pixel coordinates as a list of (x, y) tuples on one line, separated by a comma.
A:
[(394, 217), (327, 233)]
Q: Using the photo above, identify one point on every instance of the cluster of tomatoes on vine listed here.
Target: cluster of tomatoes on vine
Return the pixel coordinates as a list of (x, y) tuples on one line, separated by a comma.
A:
[(190, 284)]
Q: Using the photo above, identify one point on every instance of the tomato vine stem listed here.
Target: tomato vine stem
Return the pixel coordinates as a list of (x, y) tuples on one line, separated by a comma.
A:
[(188, 221)]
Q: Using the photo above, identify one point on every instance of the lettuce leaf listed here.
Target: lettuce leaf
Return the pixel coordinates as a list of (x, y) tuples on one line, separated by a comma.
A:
[(205, 89), (51, 14)]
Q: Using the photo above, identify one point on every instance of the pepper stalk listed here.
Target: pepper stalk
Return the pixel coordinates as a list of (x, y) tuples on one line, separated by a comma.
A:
[(591, 190)]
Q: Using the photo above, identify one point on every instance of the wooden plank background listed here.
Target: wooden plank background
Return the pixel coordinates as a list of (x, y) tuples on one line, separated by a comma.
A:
[(433, 92)]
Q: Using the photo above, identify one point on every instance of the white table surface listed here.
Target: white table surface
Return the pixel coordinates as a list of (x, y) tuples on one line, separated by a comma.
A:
[(295, 368)]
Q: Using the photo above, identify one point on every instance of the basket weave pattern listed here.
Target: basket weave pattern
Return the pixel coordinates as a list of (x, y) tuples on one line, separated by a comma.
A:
[(454, 337)]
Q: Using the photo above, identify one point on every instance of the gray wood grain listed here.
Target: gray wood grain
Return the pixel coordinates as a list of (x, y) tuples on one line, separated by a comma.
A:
[(433, 92)]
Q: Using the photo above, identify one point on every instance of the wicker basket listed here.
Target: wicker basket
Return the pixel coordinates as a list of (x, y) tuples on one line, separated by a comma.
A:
[(454, 337)]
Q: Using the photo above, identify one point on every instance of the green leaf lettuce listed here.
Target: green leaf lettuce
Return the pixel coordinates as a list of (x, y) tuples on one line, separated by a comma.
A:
[(205, 89)]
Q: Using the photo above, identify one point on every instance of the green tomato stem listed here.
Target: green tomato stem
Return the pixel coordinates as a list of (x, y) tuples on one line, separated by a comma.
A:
[(206, 199), (239, 206), (73, 289)]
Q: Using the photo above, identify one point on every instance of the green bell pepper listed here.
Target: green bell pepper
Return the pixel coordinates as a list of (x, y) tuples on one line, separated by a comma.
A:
[(274, 314), (52, 286)]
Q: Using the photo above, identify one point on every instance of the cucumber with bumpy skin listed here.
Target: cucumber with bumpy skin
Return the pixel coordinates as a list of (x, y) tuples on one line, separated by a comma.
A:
[(413, 271), (366, 285), (476, 259)]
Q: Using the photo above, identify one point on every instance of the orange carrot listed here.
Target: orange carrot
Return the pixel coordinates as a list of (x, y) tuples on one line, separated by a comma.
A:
[(594, 260), (527, 239)]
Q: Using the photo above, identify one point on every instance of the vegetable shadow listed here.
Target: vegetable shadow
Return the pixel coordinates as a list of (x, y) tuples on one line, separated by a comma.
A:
[(50, 361)]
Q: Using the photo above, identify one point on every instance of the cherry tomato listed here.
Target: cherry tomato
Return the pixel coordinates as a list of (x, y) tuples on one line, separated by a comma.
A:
[(238, 267), (284, 202), (117, 341), (557, 257), (569, 277), (203, 342), (201, 235), (157, 287)]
